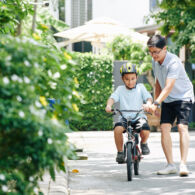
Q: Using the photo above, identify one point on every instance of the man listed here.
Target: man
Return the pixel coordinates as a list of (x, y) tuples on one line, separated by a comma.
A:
[(175, 91)]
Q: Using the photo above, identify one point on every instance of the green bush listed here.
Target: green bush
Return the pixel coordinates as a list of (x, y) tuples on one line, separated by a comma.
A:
[(95, 83), (32, 135)]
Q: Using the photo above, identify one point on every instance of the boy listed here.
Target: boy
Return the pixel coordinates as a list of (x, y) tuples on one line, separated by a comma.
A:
[(131, 97)]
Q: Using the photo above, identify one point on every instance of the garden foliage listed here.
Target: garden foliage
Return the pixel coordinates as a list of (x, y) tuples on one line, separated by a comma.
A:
[(178, 18), (124, 49), (95, 83), (32, 134)]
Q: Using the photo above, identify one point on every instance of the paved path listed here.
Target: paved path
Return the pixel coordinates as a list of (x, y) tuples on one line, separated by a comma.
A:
[(100, 174)]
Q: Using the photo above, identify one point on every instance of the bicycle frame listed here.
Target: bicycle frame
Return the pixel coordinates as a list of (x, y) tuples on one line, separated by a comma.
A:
[(133, 137)]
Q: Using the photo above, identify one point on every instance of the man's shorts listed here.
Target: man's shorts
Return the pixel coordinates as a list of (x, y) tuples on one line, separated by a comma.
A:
[(142, 122), (179, 110)]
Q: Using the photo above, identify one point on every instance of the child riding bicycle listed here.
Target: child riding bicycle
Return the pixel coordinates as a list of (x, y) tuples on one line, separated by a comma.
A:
[(132, 96)]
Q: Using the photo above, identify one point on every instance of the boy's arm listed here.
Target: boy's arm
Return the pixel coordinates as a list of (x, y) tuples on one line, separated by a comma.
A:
[(149, 101), (110, 102), (146, 106)]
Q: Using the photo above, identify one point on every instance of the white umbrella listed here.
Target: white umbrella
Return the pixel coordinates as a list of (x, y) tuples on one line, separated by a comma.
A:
[(99, 30)]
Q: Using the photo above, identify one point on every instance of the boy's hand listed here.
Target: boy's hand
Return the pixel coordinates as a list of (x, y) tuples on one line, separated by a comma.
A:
[(147, 107), (153, 109), (108, 108)]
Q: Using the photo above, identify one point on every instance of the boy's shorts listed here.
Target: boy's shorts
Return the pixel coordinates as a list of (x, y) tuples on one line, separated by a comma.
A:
[(142, 122), (179, 110)]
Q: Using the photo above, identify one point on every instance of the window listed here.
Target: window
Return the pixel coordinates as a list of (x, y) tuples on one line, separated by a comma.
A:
[(153, 5)]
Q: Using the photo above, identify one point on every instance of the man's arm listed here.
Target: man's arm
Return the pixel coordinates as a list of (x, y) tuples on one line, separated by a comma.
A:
[(157, 89), (161, 95), (165, 92)]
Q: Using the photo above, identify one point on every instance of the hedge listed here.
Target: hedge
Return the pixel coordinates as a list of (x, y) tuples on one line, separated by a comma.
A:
[(95, 84)]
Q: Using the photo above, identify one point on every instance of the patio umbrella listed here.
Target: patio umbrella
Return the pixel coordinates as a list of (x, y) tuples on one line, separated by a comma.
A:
[(99, 31)]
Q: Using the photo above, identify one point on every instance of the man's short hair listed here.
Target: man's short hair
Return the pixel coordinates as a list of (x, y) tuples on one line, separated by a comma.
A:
[(156, 41)]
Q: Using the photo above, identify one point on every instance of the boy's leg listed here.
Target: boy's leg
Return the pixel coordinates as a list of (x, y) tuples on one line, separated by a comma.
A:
[(144, 134), (144, 129), (118, 136)]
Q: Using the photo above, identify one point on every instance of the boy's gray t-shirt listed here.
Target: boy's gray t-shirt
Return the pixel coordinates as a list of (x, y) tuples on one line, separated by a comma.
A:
[(131, 99), (172, 67)]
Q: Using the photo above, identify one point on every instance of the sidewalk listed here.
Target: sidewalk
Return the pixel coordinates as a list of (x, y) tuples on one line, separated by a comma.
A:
[(100, 174)]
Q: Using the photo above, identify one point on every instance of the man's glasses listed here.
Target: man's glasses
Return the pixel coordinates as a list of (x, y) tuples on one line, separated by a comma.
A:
[(155, 52)]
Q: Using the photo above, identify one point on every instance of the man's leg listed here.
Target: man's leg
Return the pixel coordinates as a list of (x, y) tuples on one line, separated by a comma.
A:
[(167, 142), (184, 145), (184, 142), (167, 148)]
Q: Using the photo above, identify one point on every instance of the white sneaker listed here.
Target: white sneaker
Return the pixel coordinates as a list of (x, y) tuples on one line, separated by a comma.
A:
[(183, 170), (169, 169)]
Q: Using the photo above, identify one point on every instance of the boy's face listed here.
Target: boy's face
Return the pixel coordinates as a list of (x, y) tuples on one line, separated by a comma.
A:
[(130, 80)]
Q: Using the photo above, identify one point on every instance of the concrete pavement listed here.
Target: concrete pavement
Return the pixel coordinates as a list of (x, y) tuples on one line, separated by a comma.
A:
[(100, 174)]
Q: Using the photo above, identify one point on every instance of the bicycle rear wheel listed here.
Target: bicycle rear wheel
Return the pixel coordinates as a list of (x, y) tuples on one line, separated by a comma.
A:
[(129, 161), (136, 162)]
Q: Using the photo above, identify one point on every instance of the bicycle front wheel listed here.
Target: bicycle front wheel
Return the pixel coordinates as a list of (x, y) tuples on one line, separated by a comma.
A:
[(136, 162), (129, 161)]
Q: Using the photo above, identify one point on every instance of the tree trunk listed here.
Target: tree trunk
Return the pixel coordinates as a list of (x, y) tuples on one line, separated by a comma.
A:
[(19, 29), (150, 78)]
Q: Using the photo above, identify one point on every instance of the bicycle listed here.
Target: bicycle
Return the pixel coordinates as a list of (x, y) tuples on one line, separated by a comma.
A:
[(131, 150)]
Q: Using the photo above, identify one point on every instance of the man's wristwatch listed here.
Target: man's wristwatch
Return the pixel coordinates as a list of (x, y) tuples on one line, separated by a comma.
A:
[(157, 104)]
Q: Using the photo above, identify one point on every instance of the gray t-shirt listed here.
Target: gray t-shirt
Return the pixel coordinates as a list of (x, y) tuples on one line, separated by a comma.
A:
[(173, 68), (131, 99)]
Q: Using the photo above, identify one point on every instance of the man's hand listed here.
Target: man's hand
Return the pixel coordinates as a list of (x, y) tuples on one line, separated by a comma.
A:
[(152, 108), (108, 108)]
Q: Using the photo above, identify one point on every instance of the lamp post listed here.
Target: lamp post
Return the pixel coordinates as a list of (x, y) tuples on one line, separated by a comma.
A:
[(35, 3), (34, 17)]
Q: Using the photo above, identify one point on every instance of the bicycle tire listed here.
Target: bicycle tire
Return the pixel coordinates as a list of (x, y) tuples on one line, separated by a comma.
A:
[(136, 162), (124, 151), (129, 161)]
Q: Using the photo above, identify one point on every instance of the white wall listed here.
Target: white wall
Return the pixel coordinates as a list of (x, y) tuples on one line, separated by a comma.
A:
[(127, 12)]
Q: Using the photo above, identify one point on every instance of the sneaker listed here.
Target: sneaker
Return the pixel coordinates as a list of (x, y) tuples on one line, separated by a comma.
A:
[(120, 157), (169, 169), (183, 170), (145, 149)]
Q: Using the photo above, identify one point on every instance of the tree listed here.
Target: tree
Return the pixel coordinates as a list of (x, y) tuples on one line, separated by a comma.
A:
[(12, 12), (124, 49), (178, 16)]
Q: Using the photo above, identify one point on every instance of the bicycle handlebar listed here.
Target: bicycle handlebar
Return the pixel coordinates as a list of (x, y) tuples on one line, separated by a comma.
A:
[(136, 111)]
